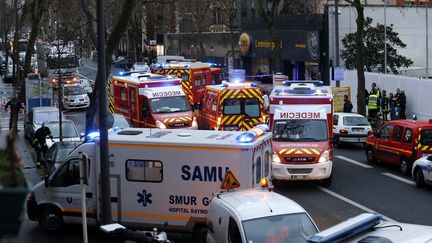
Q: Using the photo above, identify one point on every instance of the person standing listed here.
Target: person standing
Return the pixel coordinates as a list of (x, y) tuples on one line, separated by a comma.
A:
[(402, 103), (373, 105), (15, 106), (266, 102), (385, 101), (347, 105)]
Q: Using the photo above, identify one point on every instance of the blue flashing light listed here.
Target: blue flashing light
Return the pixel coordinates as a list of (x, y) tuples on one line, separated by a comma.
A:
[(92, 135), (347, 229), (121, 73), (246, 137), (414, 117)]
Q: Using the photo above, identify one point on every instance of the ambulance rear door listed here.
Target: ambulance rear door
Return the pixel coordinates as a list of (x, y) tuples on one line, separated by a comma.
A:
[(261, 162), (133, 104)]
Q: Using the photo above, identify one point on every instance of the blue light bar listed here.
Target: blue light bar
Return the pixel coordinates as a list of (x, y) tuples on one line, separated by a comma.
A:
[(92, 136), (245, 137), (347, 228), (315, 82), (121, 73)]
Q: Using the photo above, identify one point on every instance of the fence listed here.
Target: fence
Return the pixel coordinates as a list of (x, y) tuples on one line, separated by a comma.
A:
[(418, 91)]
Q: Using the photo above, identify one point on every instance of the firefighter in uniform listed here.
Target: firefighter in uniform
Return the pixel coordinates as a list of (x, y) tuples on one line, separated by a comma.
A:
[(385, 101), (395, 115), (39, 143), (373, 105)]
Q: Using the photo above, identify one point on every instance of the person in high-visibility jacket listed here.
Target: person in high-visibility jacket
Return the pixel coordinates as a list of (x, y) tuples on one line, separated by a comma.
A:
[(385, 101), (373, 104)]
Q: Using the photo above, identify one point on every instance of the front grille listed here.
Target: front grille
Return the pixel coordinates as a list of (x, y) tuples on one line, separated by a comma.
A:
[(299, 171), (299, 159)]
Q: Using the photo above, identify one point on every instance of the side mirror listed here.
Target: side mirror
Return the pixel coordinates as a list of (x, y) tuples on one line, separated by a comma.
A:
[(429, 158)]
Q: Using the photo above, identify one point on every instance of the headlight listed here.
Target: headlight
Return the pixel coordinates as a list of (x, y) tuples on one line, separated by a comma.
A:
[(160, 125), (276, 158), (324, 157), (194, 122), (66, 99)]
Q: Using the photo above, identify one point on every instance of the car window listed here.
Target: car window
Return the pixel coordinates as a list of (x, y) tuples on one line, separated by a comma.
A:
[(408, 136), (355, 121), (335, 119), (68, 131), (384, 132), (397, 134), (41, 117), (426, 137)]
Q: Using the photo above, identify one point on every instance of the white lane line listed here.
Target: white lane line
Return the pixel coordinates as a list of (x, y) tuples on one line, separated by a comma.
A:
[(334, 194), (404, 180), (85, 77), (353, 162)]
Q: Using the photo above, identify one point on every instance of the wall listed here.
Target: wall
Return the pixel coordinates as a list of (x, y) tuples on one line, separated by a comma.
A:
[(418, 91)]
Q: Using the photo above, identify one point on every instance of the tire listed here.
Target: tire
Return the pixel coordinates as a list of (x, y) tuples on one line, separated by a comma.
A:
[(200, 233), (405, 167), (50, 219), (419, 178), (370, 155)]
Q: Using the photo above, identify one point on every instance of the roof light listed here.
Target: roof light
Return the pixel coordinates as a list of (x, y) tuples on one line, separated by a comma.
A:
[(250, 135), (245, 137), (237, 75), (414, 117), (92, 136), (264, 183), (347, 228), (121, 73)]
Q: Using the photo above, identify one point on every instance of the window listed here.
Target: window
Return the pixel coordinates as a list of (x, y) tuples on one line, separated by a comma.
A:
[(384, 132), (68, 174), (233, 232), (214, 104), (204, 81), (408, 136), (185, 77), (197, 81), (335, 120), (232, 106), (123, 93), (426, 137), (145, 108), (252, 107), (267, 160), (144, 170), (258, 170), (397, 134), (246, 106)]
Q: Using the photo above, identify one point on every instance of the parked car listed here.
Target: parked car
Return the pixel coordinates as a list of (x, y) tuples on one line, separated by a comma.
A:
[(400, 142), (140, 66), (75, 97), (36, 117), (421, 171), (350, 127), (57, 152), (69, 131), (120, 121), (87, 85)]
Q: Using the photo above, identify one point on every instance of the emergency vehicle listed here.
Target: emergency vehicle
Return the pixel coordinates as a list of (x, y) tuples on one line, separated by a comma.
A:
[(152, 100), (156, 176), (301, 118), (257, 215), (400, 142), (194, 75)]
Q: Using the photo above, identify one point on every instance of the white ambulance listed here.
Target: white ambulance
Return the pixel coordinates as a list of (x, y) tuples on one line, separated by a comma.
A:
[(157, 176), (257, 215)]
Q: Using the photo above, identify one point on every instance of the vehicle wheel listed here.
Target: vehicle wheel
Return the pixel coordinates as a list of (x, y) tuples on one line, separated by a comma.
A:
[(405, 166), (418, 177), (327, 181), (50, 219), (200, 233), (370, 155)]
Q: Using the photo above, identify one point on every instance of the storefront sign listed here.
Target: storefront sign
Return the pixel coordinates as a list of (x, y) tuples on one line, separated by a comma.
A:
[(338, 97)]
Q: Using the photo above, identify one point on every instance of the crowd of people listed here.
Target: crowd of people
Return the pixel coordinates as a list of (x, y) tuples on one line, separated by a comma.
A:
[(378, 102)]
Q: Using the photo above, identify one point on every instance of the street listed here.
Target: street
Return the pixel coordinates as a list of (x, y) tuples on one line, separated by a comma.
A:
[(357, 187)]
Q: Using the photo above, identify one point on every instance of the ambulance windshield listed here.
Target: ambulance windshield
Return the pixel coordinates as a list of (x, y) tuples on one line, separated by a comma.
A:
[(169, 104), (281, 228), (300, 130)]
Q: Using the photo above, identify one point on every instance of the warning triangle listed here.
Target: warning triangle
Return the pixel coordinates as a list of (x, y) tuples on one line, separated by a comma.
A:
[(230, 181)]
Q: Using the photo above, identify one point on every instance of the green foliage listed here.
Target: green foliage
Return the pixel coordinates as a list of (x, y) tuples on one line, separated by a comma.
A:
[(373, 42)]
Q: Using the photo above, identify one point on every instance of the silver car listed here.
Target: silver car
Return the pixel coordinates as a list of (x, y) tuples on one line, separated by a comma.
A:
[(75, 97), (69, 131), (36, 117)]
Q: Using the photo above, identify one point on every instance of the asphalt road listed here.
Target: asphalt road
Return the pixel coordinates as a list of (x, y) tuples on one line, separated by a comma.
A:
[(357, 187)]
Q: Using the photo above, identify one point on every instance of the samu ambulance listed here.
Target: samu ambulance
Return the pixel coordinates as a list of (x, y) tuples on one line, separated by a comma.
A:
[(231, 107), (152, 100), (156, 176), (301, 118)]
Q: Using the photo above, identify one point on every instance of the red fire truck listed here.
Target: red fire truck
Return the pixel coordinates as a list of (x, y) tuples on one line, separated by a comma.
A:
[(301, 118), (152, 100), (194, 75)]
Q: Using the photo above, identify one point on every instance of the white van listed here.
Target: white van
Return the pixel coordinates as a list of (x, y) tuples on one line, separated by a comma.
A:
[(157, 176)]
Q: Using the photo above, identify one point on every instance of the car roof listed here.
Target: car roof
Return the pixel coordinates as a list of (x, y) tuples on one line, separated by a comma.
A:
[(348, 114), (44, 108), (412, 123), (257, 203)]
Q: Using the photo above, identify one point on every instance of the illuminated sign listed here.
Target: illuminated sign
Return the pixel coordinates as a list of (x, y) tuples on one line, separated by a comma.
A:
[(300, 115)]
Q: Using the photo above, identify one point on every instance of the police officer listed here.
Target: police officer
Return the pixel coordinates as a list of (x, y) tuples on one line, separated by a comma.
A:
[(373, 104), (39, 143), (385, 101)]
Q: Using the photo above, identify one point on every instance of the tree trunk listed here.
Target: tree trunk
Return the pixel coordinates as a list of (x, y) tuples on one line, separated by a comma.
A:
[(361, 101)]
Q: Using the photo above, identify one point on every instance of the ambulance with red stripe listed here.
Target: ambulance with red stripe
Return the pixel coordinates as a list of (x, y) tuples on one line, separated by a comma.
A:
[(194, 75), (231, 107), (301, 119), (152, 100)]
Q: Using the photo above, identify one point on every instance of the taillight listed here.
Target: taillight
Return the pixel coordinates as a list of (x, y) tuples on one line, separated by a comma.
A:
[(219, 120), (343, 131)]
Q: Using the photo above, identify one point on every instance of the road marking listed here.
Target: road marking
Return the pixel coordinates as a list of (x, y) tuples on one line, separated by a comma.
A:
[(409, 182), (86, 77), (353, 162), (334, 194)]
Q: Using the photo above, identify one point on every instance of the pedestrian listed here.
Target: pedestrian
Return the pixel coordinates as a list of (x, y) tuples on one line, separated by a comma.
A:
[(15, 106), (347, 105), (374, 88), (40, 145), (385, 102), (266, 101), (373, 105), (402, 104)]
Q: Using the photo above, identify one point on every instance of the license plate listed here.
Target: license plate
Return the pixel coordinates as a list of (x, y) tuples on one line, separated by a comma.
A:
[(357, 129), (299, 176)]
